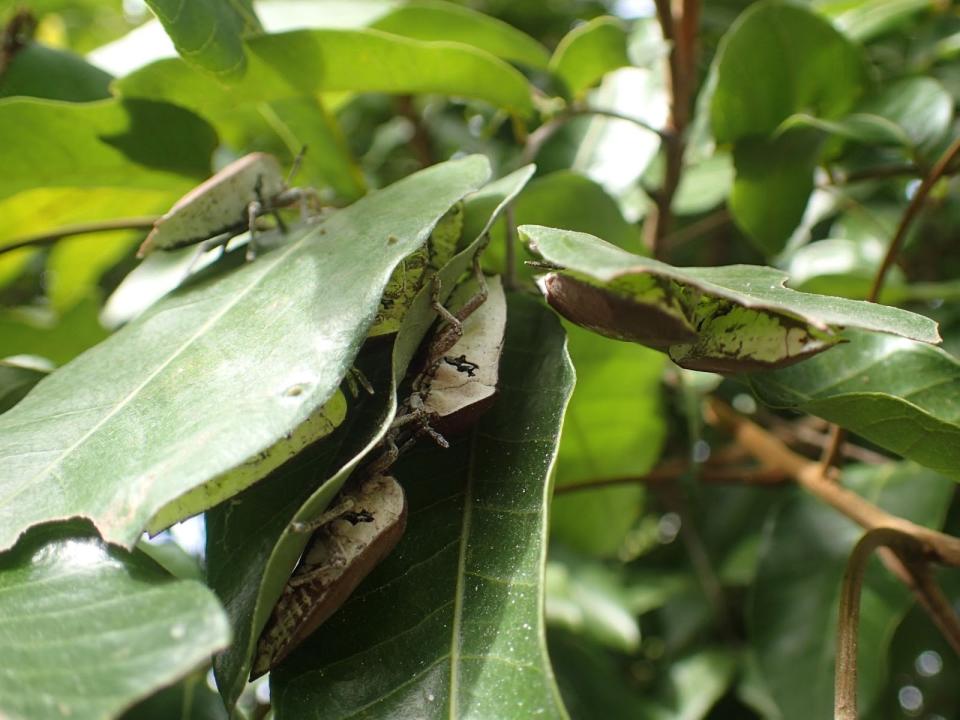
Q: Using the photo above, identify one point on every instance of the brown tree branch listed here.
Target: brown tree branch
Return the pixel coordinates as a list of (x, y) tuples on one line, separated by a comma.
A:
[(913, 209), (845, 674), (680, 30), (672, 470), (772, 453)]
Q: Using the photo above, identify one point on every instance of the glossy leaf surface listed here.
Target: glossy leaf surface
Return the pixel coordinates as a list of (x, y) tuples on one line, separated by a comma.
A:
[(588, 52), (305, 62), (777, 59), (89, 630), (44, 72), (163, 406), (902, 395), (208, 33), (129, 143), (450, 625)]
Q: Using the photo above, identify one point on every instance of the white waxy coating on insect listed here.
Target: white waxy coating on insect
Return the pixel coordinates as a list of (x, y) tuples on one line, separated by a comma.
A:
[(452, 389), (218, 204)]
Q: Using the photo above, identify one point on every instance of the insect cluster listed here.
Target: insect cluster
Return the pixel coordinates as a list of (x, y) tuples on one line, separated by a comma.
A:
[(366, 521)]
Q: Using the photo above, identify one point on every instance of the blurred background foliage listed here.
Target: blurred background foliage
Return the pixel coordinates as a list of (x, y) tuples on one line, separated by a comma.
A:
[(680, 599)]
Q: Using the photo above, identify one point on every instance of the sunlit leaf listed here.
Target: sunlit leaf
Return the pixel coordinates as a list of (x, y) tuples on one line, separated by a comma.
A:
[(167, 403), (209, 33), (129, 143), (305, 62), (863, 20), (588, 52), (57, 338), (109, 628)]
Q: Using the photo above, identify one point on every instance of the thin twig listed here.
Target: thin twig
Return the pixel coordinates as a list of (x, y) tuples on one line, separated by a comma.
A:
[(918, 576), (845, 678), (832, 451), (669, 473), (879, 173), (772, 453), (681, 33), (695, 229), (538, 138), (675, 501), (798, 432), (420, 142), (133, 223), (913, 209)]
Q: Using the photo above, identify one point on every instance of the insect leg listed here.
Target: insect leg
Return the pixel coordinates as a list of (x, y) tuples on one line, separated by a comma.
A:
[(254, 208), (344, 506), (448, 336)]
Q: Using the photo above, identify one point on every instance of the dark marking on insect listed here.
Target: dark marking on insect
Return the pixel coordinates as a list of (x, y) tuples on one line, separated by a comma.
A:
[(360, 516), (462, 364)]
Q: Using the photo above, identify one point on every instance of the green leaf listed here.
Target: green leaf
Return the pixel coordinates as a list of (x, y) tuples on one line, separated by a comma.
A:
[(108, 628), (898, 394), (595, 145), (797, 591), (44, 72), (704, 185), (305, 62), (914, 113), (16, 380), (778, 59), (568, 199), (613, 428), (168, 403), (863, 20), (723, 319), (591, 599), (588, 52), (841, 266), (208, 33), (773, 183), (452, 620), (920, 106), (112, 143), (307, 123), (251, 549), (447, 22), (429, 20)]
